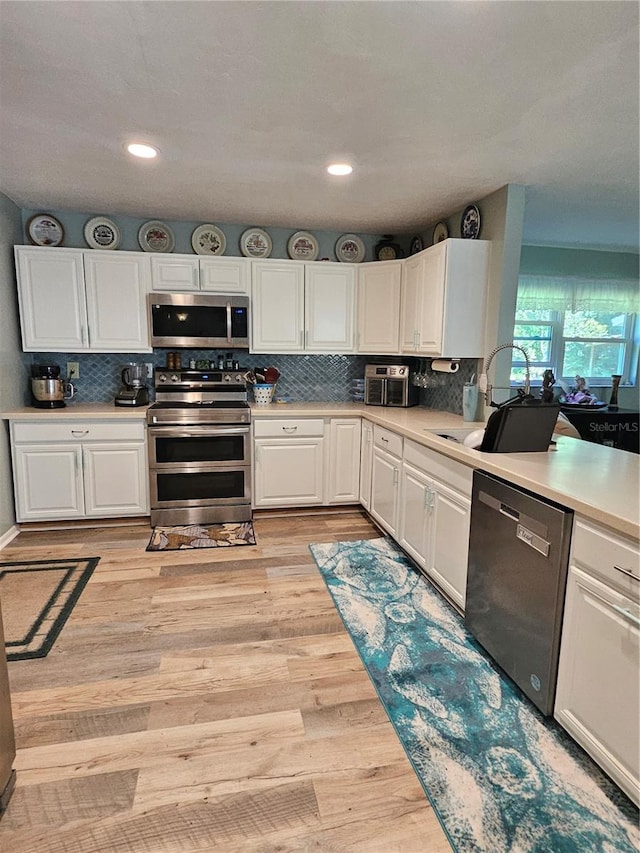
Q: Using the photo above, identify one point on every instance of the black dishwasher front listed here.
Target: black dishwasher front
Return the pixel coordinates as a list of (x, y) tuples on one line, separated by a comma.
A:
[(518, 560)]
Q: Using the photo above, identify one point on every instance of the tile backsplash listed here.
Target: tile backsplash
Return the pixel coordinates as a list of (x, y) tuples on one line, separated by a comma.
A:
[(303, 378)]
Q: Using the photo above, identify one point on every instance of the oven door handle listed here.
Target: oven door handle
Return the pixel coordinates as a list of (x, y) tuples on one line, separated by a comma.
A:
[(229, 338), (197, 431)]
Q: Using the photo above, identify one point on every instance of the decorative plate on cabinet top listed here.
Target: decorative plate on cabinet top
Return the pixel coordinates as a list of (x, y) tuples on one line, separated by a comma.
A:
[(155, 236), (416, 245), (303, 246), (45, 230), (255, 243), (470, 222), (102, 233), (387, 250), (440, 232), (350, 249), (208, 240)]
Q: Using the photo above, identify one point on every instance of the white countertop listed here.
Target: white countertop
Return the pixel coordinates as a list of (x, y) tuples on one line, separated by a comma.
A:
[(598, 482)]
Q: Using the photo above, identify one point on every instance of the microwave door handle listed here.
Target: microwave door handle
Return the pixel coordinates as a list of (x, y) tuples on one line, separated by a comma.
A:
[(384, 394), (228, 322)]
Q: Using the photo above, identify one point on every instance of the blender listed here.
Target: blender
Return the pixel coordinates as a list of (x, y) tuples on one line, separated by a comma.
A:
[(134, 391)]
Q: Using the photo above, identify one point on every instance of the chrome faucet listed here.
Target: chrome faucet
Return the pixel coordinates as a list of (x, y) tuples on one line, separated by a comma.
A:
[(482, 380)]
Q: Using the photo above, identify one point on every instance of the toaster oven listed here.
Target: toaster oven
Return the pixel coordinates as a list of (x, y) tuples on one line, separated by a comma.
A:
[(389, 385)]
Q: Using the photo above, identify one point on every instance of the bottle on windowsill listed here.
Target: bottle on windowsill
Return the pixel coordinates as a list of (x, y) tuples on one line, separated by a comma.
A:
[(615, 383)]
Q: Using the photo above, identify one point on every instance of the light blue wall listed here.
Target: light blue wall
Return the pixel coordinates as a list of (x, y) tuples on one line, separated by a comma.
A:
[(13, 376), (547, 260), (73, 224)]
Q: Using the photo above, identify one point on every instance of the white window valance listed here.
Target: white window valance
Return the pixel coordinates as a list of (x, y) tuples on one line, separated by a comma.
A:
[(578, 293)]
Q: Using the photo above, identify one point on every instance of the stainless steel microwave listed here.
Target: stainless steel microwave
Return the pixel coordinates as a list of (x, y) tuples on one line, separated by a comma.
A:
[(389, 385), (199, 320)]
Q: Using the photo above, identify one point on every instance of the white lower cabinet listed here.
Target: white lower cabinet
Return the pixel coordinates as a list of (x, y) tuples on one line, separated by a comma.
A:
[(81, 469), (435, 514), (385, 478), (288, 462), (366, 463), (344, 461), (598, 691)]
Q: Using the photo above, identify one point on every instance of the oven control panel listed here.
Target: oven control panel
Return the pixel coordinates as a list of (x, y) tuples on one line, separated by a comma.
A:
[(198, 378)]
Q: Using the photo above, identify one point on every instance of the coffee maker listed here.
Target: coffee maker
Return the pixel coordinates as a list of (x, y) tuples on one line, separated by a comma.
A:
[(134, 391), (48, 390)]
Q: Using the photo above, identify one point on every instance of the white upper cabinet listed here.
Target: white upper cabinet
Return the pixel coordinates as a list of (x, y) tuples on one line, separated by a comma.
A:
[(114, 280), (379, 307), (277, 306), (298, 307), (444, 293), (329, 307), (53, 312), (214, 274), (73, 300)]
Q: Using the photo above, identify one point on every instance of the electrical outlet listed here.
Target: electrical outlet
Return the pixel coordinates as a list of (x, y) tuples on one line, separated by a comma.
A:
[(149, 365), (73, 370)]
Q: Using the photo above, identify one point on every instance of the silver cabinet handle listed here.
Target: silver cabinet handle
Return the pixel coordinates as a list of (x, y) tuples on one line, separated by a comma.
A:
[(627, 614), (386, 440), (627, 572), (79, 432), (289, 429)]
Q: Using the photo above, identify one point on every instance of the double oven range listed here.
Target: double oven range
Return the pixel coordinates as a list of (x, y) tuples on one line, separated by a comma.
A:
[(199, 448)]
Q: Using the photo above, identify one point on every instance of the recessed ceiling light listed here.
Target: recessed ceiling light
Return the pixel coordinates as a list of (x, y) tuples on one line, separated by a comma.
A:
[(339, 169), (140, 150)]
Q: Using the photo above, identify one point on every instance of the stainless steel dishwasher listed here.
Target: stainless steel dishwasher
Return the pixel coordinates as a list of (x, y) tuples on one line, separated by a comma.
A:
[(518, 559)]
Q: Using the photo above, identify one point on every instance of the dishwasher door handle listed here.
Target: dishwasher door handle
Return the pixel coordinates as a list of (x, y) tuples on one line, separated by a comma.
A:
[(494, 503), (511, 513)]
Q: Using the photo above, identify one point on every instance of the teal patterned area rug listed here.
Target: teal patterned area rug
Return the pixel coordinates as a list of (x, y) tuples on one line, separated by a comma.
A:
[(498, 774)]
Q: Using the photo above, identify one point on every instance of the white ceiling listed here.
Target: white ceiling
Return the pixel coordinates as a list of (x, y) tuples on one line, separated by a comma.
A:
[(436, 104)]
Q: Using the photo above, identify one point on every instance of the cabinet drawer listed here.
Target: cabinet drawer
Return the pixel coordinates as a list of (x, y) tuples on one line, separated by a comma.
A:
[(607, 555), (78, 431), (388, 441), (288, 428), (434, 464)]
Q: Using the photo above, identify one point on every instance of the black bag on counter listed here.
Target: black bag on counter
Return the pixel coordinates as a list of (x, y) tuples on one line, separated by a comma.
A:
[(523, 425)]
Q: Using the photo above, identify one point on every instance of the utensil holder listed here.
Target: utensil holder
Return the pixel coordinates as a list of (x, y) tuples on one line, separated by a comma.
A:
[(263, 393)]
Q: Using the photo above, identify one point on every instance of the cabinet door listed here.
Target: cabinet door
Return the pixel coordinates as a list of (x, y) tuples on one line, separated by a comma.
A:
[(384, 490), (175, 273), (598, 687), (431, 299), (411, 279), (448, 545), (53, 314), (344, 460), (48, 482), (415, 505), (115, 479), (225, 275), (277, 307), (288, 472), (379, 307), (117, 285), (366, 464), (329, 307)]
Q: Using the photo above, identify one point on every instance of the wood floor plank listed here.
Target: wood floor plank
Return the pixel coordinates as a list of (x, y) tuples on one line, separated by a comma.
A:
[(207, 700)]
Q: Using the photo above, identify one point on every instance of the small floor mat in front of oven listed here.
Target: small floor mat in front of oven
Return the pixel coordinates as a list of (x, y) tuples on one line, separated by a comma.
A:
[(200, 536)]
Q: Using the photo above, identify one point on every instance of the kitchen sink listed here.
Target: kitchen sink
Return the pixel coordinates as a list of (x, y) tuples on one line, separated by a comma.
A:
[(457, 435)]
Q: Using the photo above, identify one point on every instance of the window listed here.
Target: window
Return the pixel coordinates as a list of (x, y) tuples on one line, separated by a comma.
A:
[(575, 329)]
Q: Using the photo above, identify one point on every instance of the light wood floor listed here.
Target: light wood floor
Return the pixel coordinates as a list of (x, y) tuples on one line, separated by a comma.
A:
[(207, 701)]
